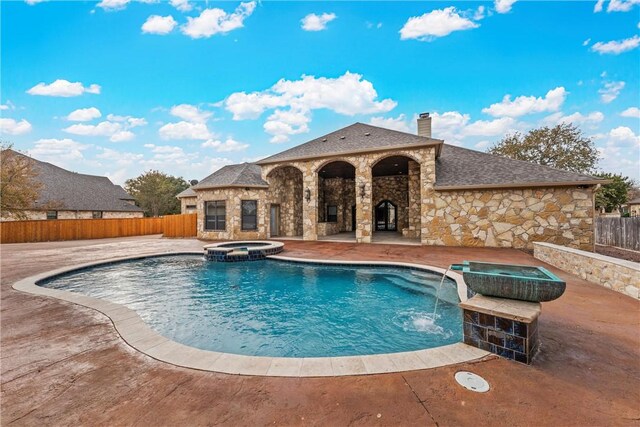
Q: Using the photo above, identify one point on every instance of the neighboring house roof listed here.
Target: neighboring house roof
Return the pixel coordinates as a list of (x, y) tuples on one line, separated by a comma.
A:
[(355, 138), (66, 190), (463, 168), (242, 175), (186, 193), (634, 201)]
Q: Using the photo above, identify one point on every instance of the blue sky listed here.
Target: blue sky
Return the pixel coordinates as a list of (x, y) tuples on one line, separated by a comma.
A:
[(119, 87)]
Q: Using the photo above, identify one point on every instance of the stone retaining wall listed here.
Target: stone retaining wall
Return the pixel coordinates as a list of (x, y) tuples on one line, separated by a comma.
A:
[(613, 273)]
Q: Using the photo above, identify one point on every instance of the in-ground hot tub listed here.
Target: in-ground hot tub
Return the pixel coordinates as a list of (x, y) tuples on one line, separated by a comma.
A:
[(519, 282), (251, 250)]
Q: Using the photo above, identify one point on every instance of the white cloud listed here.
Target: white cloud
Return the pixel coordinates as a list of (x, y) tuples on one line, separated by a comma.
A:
[(489, 127), (128, 121), (13, 127), (63, 88), (399, 123), (437, 23), (111, 5), (348, 94), (616, 5), (181, 5), (190, 113), (620, 151), (32, 2), (523, 105), (84, 114), (454, 127), (224, 147), (616, 47), (577, 118), (504, 6), (7, 106), (610, 91), (283, 123), (185, 130), (116, 132), (313, 22), (479, 13), (156, 24), (586, 42), (598, 7), (58, 151), (119, 158), (633, 112), (214, 21)]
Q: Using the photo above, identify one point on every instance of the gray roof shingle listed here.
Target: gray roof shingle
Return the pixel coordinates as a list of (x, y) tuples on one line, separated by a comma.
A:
[(357, 137), (242, 175), (461, 167), (66, 190), (634, 201), (186, 193)]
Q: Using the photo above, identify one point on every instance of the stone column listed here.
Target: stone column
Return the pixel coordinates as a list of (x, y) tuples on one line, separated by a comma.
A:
[(427, 196), (310, 207), (414, 200), (364, 209)]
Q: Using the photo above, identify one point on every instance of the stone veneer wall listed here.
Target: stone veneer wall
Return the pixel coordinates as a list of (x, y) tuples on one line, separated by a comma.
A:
[(396, 190), (285, 189), (233, 197), (188, 201), (339, 192), (613, 273), (62, 214), (510, 218)]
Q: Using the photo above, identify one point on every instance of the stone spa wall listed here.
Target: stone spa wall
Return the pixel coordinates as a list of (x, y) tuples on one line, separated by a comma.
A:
[(233, 197), (613, 273), (511, 218)]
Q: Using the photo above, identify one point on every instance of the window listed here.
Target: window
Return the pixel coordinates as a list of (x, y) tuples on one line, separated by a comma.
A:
[(96, 214), (249, 215), (215, 215), (52, 214), (332, 214)]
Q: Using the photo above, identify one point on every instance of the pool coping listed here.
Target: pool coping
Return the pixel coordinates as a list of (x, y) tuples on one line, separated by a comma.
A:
[(138, 335)]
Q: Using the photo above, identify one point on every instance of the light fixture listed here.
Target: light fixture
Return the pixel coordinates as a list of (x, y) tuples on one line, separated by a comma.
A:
[(307, 194), (362, 189)]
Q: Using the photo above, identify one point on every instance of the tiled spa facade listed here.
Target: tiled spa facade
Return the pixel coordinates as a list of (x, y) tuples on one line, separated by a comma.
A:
[(366, 180)]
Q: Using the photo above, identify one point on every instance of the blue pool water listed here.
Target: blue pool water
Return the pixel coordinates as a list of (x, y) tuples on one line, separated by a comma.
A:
[(275, 308)]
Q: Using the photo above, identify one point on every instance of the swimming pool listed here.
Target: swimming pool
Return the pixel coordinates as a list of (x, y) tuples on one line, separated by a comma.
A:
[(276, 308)]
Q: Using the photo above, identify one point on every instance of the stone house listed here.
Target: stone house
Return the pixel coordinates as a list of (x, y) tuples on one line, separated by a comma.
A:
[(70, 195), (365, 184), (633, 207)]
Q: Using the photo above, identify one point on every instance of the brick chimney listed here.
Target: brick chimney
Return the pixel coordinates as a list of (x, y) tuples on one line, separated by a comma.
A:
[(424, 125)]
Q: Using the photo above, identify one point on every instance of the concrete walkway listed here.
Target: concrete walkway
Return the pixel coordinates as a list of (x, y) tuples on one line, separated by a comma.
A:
[(66, 365)]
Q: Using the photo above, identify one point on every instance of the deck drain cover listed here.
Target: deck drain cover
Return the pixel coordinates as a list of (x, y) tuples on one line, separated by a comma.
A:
[(472, 382)]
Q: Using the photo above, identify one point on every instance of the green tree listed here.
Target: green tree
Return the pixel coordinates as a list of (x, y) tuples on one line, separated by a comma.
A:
[(562, 146), (612, 196), (19, 186), (155, 192)]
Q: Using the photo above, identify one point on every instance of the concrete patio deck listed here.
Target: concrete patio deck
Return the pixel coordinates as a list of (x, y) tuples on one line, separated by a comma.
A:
[(63, 364)]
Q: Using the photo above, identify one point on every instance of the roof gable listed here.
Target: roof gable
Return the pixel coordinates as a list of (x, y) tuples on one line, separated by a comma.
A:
[(242, 175), (357, 137)]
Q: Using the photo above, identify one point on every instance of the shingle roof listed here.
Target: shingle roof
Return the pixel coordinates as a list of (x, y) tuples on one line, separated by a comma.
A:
[(634, 201), (357, 137), (66, 190), (461, 167), (186, 193), (242, 175)]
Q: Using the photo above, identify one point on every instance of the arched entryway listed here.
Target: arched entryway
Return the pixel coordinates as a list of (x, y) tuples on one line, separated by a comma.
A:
[(285, 202), (336, 200), (386, 216), (396, 197)]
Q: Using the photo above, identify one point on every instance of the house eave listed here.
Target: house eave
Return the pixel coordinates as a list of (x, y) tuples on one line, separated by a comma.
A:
[(431, 143), (216, 187), (520, 185)]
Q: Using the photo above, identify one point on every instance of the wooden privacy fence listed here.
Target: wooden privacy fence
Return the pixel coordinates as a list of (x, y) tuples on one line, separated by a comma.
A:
[(619, 232), (80, 229)]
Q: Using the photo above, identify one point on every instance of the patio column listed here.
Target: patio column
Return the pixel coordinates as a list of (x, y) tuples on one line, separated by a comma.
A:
[(427, 196), (364, 209), (310, 205), (414, 200)]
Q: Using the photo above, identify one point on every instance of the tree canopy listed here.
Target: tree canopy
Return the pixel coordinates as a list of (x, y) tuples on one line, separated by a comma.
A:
[(562, 146), (612, 196), (155, 192), (19, 187)]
